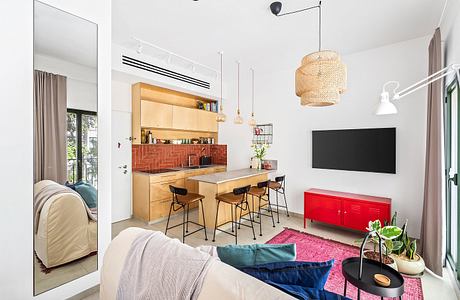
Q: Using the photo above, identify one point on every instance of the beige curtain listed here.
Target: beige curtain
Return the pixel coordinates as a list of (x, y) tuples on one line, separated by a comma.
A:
[(431, 232), (50, 115)]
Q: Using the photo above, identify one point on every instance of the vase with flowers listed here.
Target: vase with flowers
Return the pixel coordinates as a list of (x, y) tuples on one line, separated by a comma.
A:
[(260, 151)]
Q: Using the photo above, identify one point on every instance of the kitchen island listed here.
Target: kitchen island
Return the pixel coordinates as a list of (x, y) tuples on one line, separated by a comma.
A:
[(210, 185)]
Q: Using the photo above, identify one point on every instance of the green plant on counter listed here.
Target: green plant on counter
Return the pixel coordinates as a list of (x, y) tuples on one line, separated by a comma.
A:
[(260, 150)]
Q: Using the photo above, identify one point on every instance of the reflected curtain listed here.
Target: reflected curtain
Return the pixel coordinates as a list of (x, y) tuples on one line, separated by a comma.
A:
[(431, 231), (50, 115)]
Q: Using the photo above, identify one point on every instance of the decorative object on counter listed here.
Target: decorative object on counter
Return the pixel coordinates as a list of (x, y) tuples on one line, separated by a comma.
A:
[(361, 272), (238, 119), (322, 77), (221, 117), (269, 164), (252, 120), (263, 134), (259, 153)]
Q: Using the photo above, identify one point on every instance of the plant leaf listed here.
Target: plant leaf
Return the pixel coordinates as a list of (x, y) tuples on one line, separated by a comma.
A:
[(397, 245), (390, 232)]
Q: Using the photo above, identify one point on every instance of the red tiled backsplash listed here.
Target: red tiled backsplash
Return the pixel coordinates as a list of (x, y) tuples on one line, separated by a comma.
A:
[(149, 157)]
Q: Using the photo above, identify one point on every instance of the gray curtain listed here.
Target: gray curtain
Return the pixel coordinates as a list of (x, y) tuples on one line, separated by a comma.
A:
[(50, 115), (431, 232)]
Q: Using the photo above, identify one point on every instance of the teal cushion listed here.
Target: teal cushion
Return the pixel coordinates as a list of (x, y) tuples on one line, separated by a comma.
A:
[(249, 255), (88, 193)]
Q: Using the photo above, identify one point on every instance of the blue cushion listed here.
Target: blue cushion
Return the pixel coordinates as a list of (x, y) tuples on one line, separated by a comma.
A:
[(249, 255), (88, 193), (306, 293), (73, 185), (305, 274)]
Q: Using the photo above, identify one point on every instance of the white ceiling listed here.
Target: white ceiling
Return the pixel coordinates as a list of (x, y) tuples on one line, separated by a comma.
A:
[(64, 36), (248, 31)]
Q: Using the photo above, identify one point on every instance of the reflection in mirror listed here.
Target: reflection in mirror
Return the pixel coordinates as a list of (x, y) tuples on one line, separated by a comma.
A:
[(65, 147)]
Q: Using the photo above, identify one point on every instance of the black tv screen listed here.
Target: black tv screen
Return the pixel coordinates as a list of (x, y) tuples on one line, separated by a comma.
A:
[(368, 150)]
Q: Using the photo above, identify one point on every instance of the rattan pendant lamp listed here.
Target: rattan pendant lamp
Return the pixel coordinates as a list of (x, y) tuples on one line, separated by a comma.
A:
[(252, 121), (322, 76), (221, 117), (238, 119)]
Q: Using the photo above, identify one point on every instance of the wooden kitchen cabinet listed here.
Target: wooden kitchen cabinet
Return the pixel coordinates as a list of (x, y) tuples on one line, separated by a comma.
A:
[(185, 118), (152, 197), (156, 115), (207, 121), (170, 114)]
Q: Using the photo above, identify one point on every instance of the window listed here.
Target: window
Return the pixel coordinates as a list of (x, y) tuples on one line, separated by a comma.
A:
[(82, 146), (452, 140)]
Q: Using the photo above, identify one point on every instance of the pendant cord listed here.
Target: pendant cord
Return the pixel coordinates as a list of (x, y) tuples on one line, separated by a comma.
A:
[(238, 63), (320, 24), (221, 80), (253, 98)]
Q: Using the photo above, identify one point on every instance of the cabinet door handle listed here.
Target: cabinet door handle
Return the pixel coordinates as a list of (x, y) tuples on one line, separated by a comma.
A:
[(345, 212), (338, 212)]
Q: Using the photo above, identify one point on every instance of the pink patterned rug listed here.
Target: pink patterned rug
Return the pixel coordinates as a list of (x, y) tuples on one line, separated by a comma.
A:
[(313, 248)]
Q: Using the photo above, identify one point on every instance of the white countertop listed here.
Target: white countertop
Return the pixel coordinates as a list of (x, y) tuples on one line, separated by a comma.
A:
[(222, 177)]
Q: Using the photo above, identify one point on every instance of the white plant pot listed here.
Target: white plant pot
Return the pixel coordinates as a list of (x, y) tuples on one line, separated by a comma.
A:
[(392, 265), (409, 267)]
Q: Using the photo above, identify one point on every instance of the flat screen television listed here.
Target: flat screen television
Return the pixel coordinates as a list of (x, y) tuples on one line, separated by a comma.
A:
[(368, 150)]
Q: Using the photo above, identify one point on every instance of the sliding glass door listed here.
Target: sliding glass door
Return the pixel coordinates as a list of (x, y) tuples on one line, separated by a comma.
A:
[(452, 184)]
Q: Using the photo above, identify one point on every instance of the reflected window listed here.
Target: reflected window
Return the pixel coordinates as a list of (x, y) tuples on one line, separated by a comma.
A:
[(82, 146)]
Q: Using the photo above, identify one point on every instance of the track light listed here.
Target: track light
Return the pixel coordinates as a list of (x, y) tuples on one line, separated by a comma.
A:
[(275, 7)]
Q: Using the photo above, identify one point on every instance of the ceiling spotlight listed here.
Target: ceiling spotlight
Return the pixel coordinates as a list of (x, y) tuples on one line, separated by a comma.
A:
[(275, 7)]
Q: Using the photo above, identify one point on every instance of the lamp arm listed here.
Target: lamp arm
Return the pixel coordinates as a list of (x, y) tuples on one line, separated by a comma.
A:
[(454, 68)]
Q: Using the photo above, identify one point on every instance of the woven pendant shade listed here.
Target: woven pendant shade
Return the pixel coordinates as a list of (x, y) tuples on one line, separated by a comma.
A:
[(321, 79)]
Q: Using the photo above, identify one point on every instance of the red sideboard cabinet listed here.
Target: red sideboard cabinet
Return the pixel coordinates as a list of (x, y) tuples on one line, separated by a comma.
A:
[(345, 209)]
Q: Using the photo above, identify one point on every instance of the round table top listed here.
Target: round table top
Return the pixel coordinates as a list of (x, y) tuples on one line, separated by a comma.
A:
[(350, 270)]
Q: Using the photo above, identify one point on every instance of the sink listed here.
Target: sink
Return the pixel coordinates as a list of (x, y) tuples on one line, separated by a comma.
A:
[(196, 167)]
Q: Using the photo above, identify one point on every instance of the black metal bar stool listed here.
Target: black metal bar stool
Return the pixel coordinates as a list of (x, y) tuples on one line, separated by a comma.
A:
[(279, 186), (181, 199), (237, 199), (261, 191)]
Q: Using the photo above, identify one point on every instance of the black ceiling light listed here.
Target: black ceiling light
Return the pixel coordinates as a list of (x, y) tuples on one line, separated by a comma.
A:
[(275, 7)]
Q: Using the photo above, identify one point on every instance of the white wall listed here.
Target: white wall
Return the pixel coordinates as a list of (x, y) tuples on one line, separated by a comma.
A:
[(81, 81), (16, 55), (367, 72)]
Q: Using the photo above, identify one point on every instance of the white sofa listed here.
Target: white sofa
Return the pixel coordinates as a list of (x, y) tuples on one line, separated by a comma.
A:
[(64, 233), (222, 281)]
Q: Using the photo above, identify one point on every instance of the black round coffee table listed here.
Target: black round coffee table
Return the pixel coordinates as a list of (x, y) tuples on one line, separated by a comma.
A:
[(350, 270)]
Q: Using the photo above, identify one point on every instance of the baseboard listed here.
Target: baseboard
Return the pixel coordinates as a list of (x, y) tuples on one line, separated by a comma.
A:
[(85, 293)]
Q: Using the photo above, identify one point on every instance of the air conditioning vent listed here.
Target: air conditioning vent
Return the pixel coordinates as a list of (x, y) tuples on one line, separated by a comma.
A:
[(135, 63)]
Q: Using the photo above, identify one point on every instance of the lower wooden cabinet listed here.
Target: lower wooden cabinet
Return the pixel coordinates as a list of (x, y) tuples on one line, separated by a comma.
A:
[(152, 197)]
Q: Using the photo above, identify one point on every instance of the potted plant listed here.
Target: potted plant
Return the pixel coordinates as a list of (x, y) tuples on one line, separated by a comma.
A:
[(260, 150), (388, 234), (407, 259)]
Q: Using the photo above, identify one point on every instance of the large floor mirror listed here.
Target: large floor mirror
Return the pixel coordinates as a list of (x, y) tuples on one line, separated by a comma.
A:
[(65, 147)]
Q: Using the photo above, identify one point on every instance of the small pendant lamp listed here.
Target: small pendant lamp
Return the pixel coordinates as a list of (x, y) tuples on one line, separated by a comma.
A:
[(238, 119), (221, 117), (252, 122)]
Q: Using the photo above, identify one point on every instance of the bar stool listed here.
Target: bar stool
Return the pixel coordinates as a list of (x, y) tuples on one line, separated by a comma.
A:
[(279, 186), (182, 199), (261, 191), (237, 199)]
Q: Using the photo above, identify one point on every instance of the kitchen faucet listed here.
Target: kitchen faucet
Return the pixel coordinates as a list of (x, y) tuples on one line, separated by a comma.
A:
[(190, 159)]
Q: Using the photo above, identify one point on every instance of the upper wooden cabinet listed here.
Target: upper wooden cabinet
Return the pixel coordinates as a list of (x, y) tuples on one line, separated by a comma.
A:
[(170, 114), (156, 115), (185, 118), (207, 121)]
